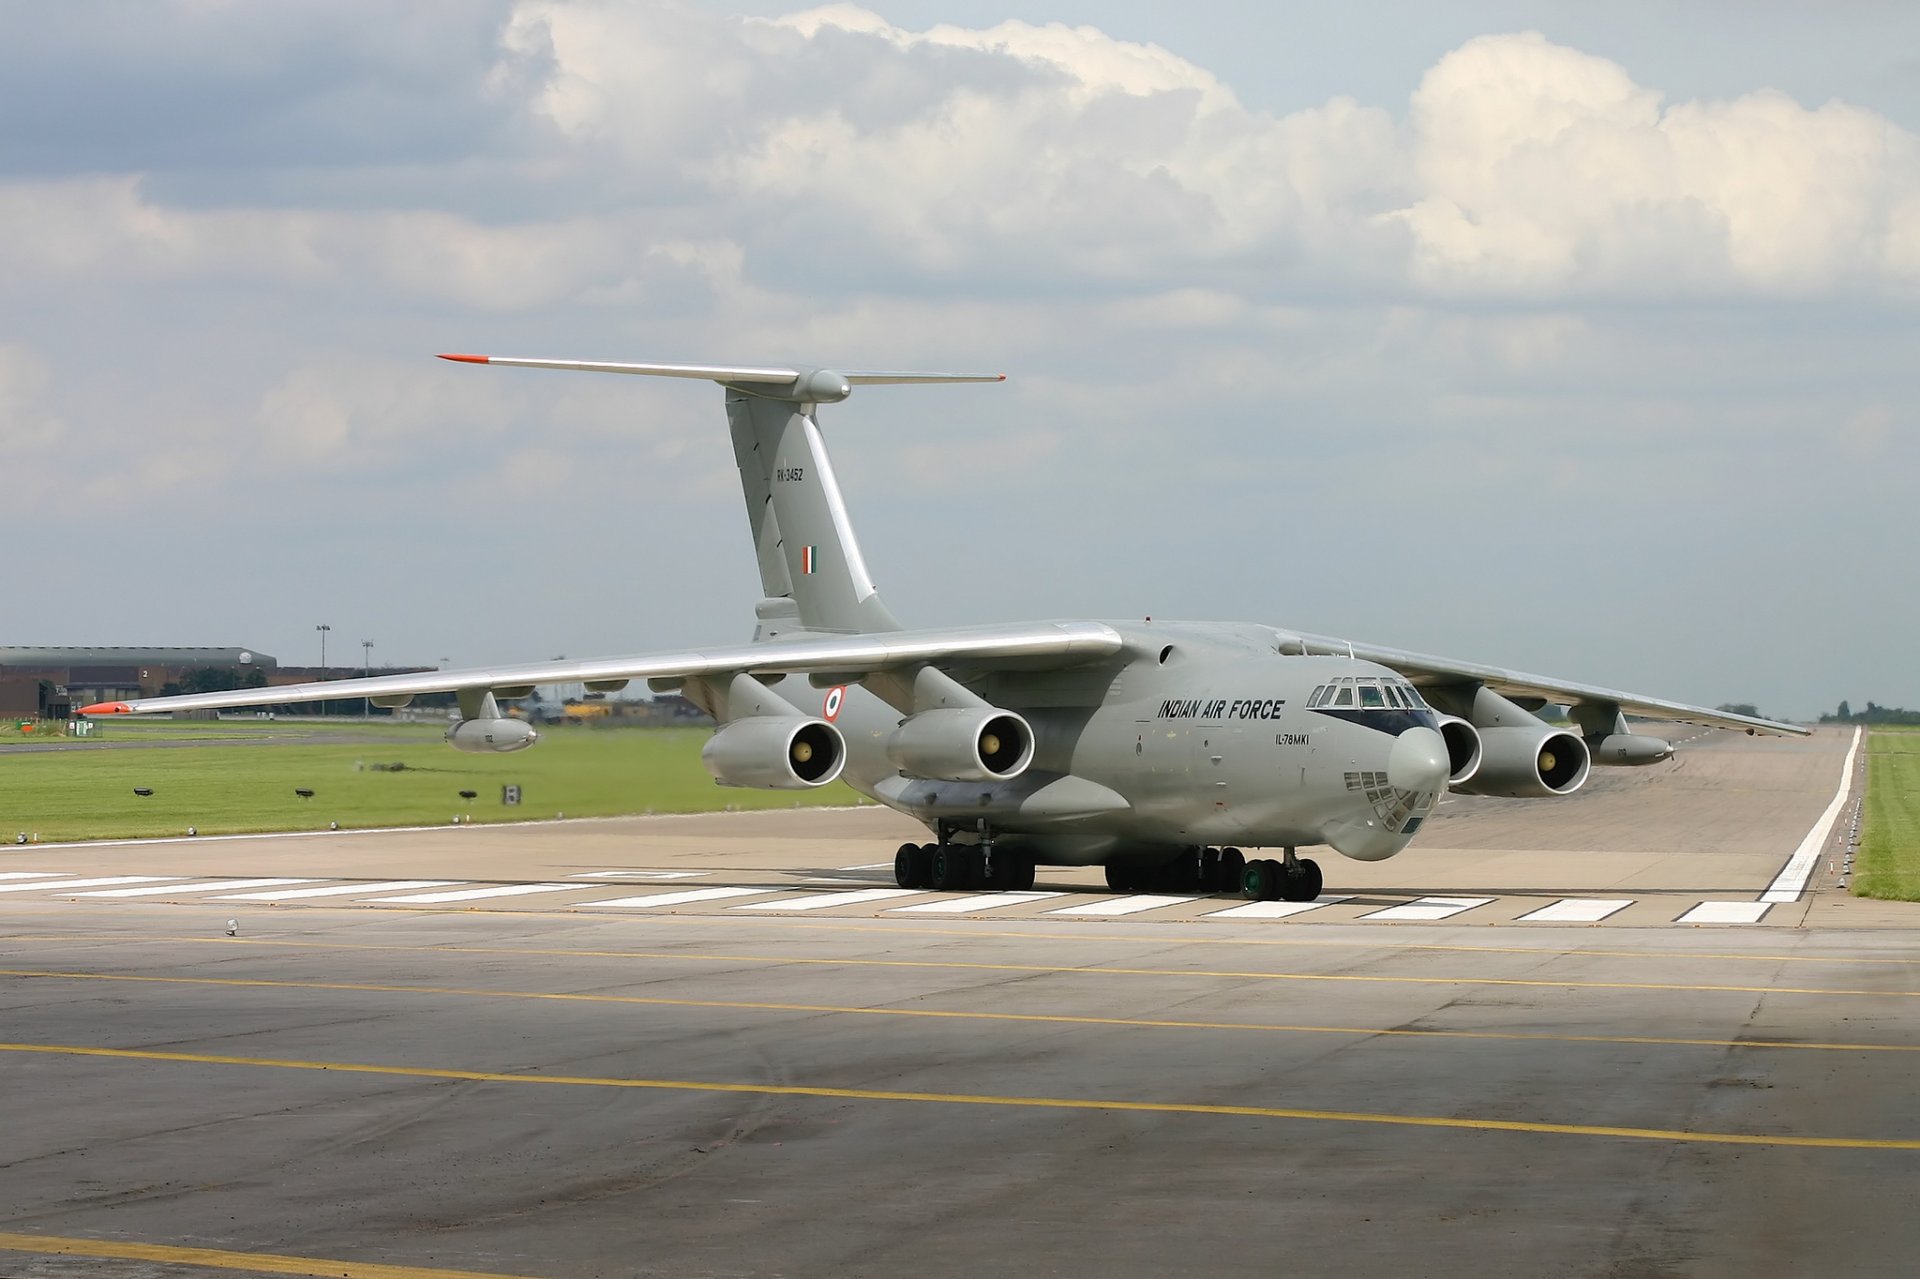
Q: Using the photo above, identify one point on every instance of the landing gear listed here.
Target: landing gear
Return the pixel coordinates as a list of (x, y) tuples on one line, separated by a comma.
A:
[(913, 866), (1293, 880), (953, 868)]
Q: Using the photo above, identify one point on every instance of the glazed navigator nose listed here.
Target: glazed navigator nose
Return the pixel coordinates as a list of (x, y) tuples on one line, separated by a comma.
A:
[(1418, 761)]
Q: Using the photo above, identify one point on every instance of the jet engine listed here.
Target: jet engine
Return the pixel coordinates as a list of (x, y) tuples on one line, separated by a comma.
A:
[(491, 736), (962, 744), (775, 752), (1464, 751), (1526, 763)]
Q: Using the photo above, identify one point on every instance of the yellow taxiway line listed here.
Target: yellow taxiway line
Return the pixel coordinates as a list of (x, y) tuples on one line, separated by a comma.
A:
[(470, 992), (266, 1263), (976, 1099)]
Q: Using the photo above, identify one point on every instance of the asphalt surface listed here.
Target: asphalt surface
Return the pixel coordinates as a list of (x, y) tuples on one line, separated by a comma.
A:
[(536, 1087)]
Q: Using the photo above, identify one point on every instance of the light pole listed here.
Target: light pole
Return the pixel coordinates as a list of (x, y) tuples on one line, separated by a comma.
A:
[(323, 628), (366, 668)]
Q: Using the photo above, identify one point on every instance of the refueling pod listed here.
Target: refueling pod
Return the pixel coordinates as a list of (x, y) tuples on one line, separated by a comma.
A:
[(491, 736), (962, 744), (1629, 749), (775, 752)]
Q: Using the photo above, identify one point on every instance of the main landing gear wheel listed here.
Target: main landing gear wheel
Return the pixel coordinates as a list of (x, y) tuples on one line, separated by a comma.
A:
[(1121, 877), (1300, 882), (1232, 867), (906, 866), (1260, 880), (954, 869)]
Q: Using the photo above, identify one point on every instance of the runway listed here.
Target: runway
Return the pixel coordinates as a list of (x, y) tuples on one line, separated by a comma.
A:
[(548, 1084)]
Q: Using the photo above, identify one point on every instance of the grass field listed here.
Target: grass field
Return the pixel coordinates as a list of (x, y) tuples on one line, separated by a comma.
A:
[(223, 787), (1888, 865)]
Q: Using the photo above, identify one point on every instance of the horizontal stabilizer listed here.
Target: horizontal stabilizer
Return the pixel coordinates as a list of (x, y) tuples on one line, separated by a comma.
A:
[(825, 380)]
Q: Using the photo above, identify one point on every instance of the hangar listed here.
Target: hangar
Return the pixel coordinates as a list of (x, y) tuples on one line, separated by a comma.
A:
[(48, 680)]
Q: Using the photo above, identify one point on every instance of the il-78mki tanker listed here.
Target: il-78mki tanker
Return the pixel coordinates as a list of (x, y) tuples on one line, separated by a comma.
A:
[(1158, 750)]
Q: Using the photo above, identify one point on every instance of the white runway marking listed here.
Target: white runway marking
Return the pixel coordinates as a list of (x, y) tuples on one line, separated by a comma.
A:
[(965, 905), (1272, 910), (340, 890), (821, 901), (640, 874), (1430, 908), (1578, 910), (1124, 905), (685, 898), (205, 886), (476, 894), (1792, 879), (1725, 913), (30, 874), (95, 882)]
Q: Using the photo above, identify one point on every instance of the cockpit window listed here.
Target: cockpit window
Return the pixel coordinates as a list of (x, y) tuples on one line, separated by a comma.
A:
[(1414, 699), (1344, 696), (1370, 695), (1396, 696)]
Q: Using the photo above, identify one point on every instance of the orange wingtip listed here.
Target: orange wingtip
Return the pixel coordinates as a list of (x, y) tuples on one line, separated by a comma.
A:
[(106, 708), (466, 359)]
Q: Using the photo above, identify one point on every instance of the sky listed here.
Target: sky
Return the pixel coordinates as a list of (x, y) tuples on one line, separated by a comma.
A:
[(1567, 337)]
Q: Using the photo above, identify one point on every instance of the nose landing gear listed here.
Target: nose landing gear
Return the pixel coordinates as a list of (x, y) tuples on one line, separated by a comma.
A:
[(1293, 879)]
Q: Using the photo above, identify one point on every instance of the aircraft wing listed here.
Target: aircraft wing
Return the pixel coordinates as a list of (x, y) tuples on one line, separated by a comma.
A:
[(1422, 668), (979, 647)]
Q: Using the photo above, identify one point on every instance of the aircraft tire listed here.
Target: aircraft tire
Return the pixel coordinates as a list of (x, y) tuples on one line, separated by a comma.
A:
[(953, 868), (906, 866), (1260, 881), (1121, 877), (1303, 886), (1015, 874), (1233, 865)]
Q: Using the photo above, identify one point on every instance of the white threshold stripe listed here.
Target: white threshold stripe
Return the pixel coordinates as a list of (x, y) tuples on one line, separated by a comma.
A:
[(686, 898), (31, 874), (640, 874), (1578, 910), (199, 886), (1725, 913), (340, 890), (476, 894), (822, 901), (1272, 910), (1124, 905), (968, 905), (1430, 908), (1792, 879), (97, 881)]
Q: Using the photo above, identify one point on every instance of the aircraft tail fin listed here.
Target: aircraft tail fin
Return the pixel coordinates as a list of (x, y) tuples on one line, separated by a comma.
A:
[(811, 571)]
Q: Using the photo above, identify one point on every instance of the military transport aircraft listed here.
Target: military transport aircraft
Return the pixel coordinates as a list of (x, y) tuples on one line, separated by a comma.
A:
[(1158, 750)]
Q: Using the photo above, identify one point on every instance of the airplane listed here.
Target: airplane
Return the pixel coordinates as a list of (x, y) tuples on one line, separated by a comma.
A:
[(1157, 750)]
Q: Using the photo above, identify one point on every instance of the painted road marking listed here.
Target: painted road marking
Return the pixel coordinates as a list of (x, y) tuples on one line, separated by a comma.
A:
[(1272, 910), (962, 905), (341, 890), (1578, 910), (476, 894), (261, 1263), (196, 886), (867, 1010), (640, 874), (822, 901), (1725, 913), (1430, 908), (1124, 905), (30, 874), (681, 899), (1108, 1105), (95, 882), (1792, 879)]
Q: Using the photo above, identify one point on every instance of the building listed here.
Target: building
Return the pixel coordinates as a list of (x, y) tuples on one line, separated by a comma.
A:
[(65, 677)]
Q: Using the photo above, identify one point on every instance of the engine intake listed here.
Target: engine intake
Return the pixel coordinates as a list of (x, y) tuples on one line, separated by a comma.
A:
[(962, 744), (772, 752), (1464, 750), (491, 736), (1526, 763)]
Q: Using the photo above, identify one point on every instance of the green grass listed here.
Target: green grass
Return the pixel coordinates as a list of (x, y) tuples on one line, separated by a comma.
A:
[(1888, 865), (581, 772)]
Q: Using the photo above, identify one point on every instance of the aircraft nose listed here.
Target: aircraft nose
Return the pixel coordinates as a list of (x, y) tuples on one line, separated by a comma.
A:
[(1418, 761)]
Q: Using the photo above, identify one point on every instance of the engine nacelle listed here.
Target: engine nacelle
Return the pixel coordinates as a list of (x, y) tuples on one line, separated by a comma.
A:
[(1464, 750), (1629, 749), (775, 752), (962, 744), (491, 736), (1527, 763)]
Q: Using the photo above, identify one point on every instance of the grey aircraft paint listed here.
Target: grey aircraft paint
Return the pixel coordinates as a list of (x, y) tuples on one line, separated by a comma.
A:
[(1144, 745)]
